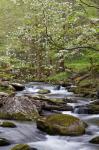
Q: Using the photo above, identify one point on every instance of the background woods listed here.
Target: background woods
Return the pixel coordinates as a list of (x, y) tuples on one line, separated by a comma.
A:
[(47, 40)]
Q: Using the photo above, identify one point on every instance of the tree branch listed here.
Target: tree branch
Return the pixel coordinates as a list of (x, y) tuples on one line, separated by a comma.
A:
[(81, 47), (88, 4)]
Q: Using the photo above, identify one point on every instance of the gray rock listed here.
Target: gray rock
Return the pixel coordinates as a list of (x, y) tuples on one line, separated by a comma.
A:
[(18, 86)]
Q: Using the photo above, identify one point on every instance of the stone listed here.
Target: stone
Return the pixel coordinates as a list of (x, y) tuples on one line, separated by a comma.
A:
[(7, 124), (18, 86), (95, 140), (4, 142), (22, 147), (61, 124), (44, 91)]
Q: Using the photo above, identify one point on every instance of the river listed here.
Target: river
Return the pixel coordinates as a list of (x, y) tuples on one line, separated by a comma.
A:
[(26, 132)]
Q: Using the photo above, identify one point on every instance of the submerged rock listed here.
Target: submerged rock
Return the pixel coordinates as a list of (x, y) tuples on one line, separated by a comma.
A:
[(7, 124), (60, 107), (95, 140), (60, 124), (4, 142), (57, 87), (44, 91), (92, 108), (18, 87), (23, 147)]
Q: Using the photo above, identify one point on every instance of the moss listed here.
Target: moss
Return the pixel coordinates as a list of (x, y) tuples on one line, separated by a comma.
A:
[(44, 91), (6, 89), (8, 124), (4, 142), (62, 125), (95, 140), (63, 76), (86, 92), (94, 109), (56, 101), (14, 116), (21, 147)]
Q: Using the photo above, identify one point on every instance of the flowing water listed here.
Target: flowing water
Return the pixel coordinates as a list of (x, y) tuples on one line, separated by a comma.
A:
[(26, 132)]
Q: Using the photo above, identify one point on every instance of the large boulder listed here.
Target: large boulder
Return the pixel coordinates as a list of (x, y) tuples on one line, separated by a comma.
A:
[(20, 108), (95, 140), (61, 124), (18, 87), (23, 147)]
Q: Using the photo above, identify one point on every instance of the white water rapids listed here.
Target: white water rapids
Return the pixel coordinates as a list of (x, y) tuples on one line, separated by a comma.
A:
[(26, 132)]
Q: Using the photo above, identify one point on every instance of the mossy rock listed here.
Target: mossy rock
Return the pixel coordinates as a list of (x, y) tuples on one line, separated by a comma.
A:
[(6, 88), (15, 116), (44, 91), (56, 101), (86, 92), (22, 147), (8, 124), (95, 140), (93, 109), (61, 124), (18, 86), (4, 142)]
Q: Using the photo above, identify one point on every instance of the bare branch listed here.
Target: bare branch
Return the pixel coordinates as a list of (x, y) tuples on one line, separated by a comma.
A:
[(89, 4)]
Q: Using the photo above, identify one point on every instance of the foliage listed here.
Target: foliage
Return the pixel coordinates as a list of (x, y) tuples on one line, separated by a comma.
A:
[(42, 34)]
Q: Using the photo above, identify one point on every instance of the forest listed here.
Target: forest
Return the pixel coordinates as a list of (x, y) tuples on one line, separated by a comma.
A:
[(49, 74)]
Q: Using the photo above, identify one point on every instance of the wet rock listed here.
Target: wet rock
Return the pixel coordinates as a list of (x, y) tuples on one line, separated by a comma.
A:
[(84, 90), (44, 91), (20, 107), (18, 87), (14, 116), (81, 110), (3, 94), (4, 142), (95, 140), (97, 94), (71, 100), (47, 113), (57, 87), (56, 107), (93, 109), (7, 124), (23, 147), (60, 124), (66, 85)]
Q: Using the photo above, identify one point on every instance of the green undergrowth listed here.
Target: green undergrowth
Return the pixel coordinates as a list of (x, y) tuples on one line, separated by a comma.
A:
[(63, 76)]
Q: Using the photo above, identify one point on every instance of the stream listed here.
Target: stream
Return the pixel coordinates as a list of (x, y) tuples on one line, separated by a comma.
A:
[(26, 132)]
